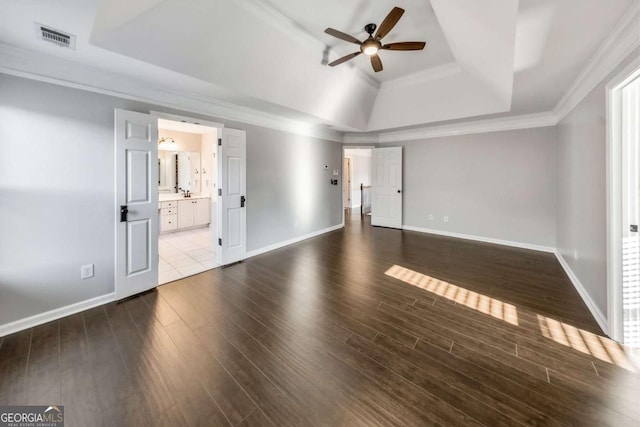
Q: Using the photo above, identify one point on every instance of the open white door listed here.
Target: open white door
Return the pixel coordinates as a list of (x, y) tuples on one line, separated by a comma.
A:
[(136, 145), (386, 188), (631, 214), (232, 227)]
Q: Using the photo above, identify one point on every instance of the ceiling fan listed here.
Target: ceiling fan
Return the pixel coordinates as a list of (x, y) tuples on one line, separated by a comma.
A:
[(372, 45)]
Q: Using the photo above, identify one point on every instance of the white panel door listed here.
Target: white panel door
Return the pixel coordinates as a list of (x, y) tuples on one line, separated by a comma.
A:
[(386, 188), (631, 214), (136, 168), (232, 227)]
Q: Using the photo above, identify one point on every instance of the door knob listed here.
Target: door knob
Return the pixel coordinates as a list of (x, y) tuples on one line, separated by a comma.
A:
[(124, 210), (242, 201), (399, 191)]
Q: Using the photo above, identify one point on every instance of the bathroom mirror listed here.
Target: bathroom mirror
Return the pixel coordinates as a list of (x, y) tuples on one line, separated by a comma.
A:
[(179, 170)]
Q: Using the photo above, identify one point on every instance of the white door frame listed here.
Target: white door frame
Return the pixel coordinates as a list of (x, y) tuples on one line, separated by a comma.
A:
[(219, 127), (344, 155), (615, 197)]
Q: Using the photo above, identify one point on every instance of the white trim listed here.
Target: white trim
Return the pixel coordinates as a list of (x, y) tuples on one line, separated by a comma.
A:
[(615, 49), (520, 245), (55, 314), (292, 241), (527, 121), (591, 305), (32, 65), (614, 197)]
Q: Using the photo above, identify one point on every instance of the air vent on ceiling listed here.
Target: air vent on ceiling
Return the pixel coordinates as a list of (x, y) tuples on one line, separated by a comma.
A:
[(55, 36)]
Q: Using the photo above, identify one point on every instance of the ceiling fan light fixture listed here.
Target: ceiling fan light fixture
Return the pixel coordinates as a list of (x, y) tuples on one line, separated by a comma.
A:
[(370, 47)]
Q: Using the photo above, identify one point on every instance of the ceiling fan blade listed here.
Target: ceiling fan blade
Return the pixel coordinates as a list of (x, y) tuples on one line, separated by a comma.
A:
[(342, 36), (389, 22), (405, 46), (344, 59), (376, 63)]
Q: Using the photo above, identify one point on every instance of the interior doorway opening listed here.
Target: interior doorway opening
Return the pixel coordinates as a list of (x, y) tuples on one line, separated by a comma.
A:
[(357, 178), (187, 199)]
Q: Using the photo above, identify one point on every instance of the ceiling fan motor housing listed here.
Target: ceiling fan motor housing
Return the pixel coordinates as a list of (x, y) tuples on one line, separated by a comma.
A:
[(370, 28)]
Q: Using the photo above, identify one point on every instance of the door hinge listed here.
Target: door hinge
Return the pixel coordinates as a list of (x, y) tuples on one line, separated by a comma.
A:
[(219, 242), (219, 191), (219, 142)]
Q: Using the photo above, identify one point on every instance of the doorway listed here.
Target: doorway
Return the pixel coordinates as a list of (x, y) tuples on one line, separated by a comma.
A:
[(184, 206), (187, 199), (357, 181), (623, 151), (346, 183)]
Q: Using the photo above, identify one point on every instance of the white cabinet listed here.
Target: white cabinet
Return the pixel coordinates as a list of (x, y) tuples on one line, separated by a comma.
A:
[(177, 214), (201, 213), (193, 212), (168, 216)]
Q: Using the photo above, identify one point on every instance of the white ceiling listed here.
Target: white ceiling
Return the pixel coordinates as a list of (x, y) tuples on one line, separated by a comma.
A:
[(482, 57)]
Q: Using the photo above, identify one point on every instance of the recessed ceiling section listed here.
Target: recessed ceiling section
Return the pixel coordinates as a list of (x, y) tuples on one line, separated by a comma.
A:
[(482, 38), (268, 58), (418, 23)]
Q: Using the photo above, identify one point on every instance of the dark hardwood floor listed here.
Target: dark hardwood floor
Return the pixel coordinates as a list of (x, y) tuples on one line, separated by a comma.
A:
[(362, 326)]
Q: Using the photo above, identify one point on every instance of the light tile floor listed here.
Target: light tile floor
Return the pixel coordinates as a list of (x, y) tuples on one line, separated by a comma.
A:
[(186, 253)]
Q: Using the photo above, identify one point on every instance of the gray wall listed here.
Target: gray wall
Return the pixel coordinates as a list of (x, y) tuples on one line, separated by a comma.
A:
[(57, 192), (289, 193), (582, 197), (497, 185)]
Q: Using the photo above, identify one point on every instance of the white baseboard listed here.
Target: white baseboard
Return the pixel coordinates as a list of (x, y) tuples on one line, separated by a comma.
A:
[(39, 319), (593, 308), (481, 239), (292, 241)]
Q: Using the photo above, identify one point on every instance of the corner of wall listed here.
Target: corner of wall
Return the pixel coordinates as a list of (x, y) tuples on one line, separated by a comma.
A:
[(600, 318)]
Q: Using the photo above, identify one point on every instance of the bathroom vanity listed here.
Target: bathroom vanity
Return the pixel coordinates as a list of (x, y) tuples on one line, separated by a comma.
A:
[(178, 212)]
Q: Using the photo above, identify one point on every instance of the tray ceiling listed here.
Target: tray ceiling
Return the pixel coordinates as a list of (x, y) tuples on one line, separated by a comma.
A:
[(482, 57)]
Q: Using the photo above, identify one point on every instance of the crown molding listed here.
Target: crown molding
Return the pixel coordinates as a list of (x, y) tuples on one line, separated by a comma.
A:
[(37, 66), (624, 39), (615, 49), (527, 121)]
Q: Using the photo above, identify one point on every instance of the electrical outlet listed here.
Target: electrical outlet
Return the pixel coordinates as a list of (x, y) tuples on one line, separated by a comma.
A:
[(445, 219), (430, 217), (86, 271)]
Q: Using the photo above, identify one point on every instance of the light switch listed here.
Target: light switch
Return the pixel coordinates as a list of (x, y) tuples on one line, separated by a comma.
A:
[(336, 172)]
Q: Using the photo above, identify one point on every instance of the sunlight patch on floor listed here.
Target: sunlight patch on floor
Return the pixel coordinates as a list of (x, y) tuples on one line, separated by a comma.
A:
[(585, 342), (482, 303)]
